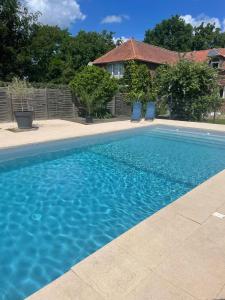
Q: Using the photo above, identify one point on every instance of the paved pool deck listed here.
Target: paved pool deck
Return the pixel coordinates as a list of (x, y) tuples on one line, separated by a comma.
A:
[(50, 130), (176, 254)]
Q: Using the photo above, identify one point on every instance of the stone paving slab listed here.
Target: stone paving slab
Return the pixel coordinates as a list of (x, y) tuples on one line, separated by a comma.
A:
[(221, 295), (156, 237), (114, 271), (197, 266), (67, 287), (155, 287)]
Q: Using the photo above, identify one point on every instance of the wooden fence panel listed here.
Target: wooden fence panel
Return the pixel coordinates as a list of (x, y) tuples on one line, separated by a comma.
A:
[(66, 107), (121, 107), (39, 104), (53, 97), (5, 106)]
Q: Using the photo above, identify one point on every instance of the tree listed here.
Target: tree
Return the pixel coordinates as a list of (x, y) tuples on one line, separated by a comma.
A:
[(56, 55), (191, 89), (43, 53), (137, 82), (16, 27), (207, 36), (50, 55), (173, 34), (94, 88), (90, 45)]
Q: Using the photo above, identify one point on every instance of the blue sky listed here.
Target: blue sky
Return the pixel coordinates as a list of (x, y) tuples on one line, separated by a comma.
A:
[(127, 18)]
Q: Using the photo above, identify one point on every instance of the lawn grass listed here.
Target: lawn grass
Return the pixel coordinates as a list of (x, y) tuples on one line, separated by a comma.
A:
[(217, 121)]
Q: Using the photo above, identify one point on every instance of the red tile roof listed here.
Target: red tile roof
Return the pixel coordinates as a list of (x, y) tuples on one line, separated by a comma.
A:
[(198, 56), (203, 55), (134, 50), (221, 51)]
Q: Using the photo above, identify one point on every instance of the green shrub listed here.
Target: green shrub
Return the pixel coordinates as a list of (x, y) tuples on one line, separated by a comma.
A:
[(138, 83), (190, 89), (94, 88)]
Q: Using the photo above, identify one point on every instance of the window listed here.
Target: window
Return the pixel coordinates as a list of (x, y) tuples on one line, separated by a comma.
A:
[(116, 70), (215, 63), (222, 92), (121, 70), (110, 69)]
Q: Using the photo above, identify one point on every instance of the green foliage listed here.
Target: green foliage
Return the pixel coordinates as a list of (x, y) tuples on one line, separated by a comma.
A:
[(50, 53), (173, 34), (56, 55), (137, 82), (44, 53), (207, 37), (190, 88), (87, 46), (102, 113), (94, 87), (16, 27)]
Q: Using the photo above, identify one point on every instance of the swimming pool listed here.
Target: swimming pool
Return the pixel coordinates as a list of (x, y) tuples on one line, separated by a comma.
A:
[(61, 201)]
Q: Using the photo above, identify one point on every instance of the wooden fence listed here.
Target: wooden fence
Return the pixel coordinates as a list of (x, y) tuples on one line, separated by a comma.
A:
[(46, 104), (51, 104)]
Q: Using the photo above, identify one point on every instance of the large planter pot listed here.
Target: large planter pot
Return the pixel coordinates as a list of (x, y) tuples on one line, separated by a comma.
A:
[(24, 119), (89, 119)]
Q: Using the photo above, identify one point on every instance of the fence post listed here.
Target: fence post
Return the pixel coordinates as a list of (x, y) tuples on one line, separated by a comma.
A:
[(46, 99), (11, 107), (114, 106)]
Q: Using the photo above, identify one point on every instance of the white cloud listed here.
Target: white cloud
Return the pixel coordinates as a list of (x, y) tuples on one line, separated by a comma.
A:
[(189, 19), (123, 39), (223, 24), (115, 19), (55, 12)]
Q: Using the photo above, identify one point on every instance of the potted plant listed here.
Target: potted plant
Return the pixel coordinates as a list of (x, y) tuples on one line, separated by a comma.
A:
[(89, 101), (20, 90)]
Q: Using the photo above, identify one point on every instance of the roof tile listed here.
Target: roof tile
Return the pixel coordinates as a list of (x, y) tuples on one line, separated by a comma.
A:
[(134, 50)]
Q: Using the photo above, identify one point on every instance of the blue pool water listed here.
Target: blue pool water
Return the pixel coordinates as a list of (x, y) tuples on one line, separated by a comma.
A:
[(62, 201)]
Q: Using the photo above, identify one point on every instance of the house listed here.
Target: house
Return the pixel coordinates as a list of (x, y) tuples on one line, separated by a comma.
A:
[(154, 56)]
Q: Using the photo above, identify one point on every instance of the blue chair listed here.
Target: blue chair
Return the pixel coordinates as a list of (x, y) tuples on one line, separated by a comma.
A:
[(136, 111), (150, 111)]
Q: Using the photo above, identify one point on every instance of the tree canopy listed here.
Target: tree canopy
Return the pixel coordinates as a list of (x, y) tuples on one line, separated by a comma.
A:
[(43, 53), (174, 34), (16, 27), (207, 37), (190, 88)]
